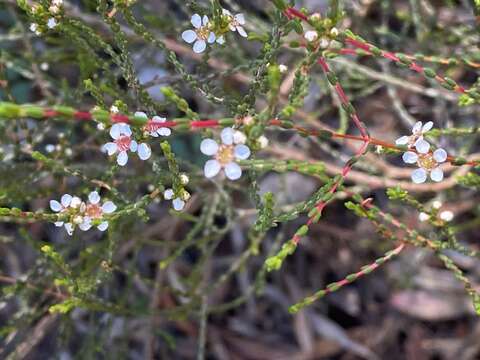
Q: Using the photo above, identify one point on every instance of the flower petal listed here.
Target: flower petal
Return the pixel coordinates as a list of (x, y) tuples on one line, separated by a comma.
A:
[(422, 146), (208, 147), (86, 224), (93, 197), (159, 119), (133, 146), (227, 136), (66, 200), (239, 137), (205, 20), (55, 205), (419, 176), (240, 18), (417, 127), (402, 140), (211, 38), (122, 158), (199, 46), (103, 226), (51, 23), (189, 36), (76, 202), (233, 171), (125, 129), (196, 21), (69, 227), (211, 168), (242, 31), (58, 223), (115, 131), (440, 155), (168, 194), (410, 157), (221, 40), (241, 152), (427, 126), (109, 207), (110, 148), (144, 151), (437, 174), (164, 131), (178, 204)]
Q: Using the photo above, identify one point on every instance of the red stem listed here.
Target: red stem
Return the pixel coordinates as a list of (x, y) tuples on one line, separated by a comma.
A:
[(83, 115)]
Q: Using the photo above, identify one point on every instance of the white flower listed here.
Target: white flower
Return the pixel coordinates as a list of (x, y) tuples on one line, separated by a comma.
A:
[(34, 28), (428, 164), (416, 139), (155, 129), (54, 9), (423, 216), (122, 143), (311, 35), (224, 154), (282, 68), (201, 35), (184, 179), (437, 204), (446, 215), (263, 141), (49, 148), (178, 203), (92, 210), (55, 6), (62, 207), (324, 43), (51, 23), (235, 23)]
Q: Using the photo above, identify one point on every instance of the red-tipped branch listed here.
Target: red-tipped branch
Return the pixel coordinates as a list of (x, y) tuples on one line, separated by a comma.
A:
[(292, 13), (412, 65)]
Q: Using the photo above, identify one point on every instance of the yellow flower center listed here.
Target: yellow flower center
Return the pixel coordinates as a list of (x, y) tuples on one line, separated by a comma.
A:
[(427, 162), (225, 154), (203, 32)]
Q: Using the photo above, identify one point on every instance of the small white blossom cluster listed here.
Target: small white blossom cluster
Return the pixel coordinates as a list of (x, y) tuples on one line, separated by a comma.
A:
[(122, 143), (203, 30), (428, 162), (178, 200), (444, 215), (53, 9), (82, 213), (312, 36), (225, 154), (51, 23)]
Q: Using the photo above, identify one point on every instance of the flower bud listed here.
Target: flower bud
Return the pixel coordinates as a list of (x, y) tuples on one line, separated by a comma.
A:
[(311, 35)]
